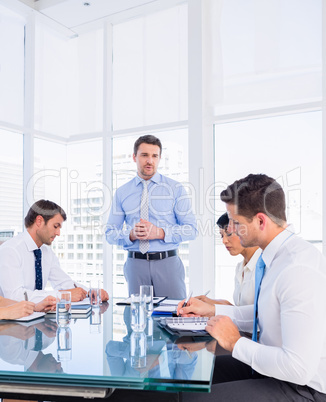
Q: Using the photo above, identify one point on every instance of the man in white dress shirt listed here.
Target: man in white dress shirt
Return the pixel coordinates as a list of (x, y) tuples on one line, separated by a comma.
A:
[(19, 276), (288, 363)]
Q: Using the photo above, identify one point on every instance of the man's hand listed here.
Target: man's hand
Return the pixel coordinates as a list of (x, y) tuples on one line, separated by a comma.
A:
[(104, 295), (224, 331), (196, 307), (145, 230), (17, 310), (47, 304), (77, 294)]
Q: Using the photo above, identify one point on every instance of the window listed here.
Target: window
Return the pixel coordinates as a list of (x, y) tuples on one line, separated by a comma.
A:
[(154, 90), (11, 181), (12, 67)]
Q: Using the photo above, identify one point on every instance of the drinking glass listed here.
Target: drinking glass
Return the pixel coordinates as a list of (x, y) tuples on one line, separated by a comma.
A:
[(138, 313), (94, 293), (64, 338), (138, 350), (147, 292), (63, 308)]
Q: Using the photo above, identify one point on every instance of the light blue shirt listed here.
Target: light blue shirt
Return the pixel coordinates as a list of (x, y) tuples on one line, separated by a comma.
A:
[(169, 209)]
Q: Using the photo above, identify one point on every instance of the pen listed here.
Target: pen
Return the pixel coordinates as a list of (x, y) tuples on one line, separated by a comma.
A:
[(187, 299), (207, 293), (25, 295)]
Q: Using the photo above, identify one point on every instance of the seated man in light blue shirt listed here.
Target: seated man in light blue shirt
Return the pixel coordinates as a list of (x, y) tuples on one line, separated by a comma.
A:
[(150, 216)]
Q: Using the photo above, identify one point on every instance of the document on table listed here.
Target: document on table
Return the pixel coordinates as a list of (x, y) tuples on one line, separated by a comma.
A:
[(156, 300), (36, 315), (187, 323)]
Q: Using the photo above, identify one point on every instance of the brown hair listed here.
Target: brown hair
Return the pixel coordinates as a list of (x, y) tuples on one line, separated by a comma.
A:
[(257, 193), (47, 209), (147, 139)]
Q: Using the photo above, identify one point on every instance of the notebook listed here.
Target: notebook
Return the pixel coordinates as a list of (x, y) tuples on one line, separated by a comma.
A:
[(80, 307), (184, 326), (156, 300)]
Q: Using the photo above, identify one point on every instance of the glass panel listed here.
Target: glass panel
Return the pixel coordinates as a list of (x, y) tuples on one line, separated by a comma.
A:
[(86, 203), (63, 176), (154, 90), (11, 67), (11, 184), (174, 164), (290, 156), (88, 94), (86, 353), (265, 53)]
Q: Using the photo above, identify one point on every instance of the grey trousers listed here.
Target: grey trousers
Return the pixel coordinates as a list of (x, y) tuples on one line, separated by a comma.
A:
[(233, 381), (167, 276)]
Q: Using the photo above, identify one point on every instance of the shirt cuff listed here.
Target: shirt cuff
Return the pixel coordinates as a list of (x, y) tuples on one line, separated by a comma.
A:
[(127, 240), (167, 235), (244, 350), (222, 309)]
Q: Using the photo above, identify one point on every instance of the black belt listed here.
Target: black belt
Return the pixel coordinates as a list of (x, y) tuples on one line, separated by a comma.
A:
[(152, 256)]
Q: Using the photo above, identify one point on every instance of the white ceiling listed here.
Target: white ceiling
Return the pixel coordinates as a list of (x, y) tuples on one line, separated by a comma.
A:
[(73, 13)]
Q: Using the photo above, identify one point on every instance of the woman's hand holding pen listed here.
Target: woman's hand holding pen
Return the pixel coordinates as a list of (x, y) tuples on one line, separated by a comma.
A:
[(195, 307)]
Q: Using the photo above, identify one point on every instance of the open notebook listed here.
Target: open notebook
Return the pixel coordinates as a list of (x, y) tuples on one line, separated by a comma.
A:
[(183, 326)]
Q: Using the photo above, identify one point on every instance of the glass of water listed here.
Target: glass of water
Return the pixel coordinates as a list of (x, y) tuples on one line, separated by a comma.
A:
[(138, 313), (147, 292), (64, 338), (138, 350), (94, 292), (63, 308)]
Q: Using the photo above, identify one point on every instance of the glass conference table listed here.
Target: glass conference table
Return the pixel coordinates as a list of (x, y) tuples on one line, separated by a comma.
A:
[(97, 353)]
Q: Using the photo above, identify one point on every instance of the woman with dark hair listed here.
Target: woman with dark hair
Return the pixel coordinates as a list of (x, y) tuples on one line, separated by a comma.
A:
[(244, 281)]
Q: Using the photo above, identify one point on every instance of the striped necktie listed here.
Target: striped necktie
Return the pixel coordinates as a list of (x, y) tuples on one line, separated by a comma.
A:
[(259, 273), (144, 244), (38, 269)]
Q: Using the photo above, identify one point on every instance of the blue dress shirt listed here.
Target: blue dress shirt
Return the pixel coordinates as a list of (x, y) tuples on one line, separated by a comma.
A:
[(169, 209)]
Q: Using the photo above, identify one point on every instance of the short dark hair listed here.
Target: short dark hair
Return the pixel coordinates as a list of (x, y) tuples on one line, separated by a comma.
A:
[(223, 221), (147, 139), (257, 193), (47, 209)]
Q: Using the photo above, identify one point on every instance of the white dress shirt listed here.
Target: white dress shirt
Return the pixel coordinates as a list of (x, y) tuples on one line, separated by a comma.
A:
[(292, 315), (17, 270), (244, 281)]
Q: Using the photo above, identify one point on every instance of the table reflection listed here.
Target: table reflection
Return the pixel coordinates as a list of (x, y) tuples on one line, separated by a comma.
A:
[(164, 359), (22, 344)]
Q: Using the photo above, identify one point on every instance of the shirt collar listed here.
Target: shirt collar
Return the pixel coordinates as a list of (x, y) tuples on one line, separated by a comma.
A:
[(273, 247), (251, 264), (155, 179), (30, 243)]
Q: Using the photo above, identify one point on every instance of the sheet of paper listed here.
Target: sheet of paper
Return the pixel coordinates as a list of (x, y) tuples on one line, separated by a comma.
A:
[(31, 317)]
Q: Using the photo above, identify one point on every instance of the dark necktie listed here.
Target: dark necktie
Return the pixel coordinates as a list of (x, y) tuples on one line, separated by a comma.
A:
[(259, 273), (38, 269), (38, 340)]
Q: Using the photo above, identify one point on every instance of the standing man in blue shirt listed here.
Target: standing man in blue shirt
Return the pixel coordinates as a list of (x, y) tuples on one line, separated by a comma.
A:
[(150, 216)]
